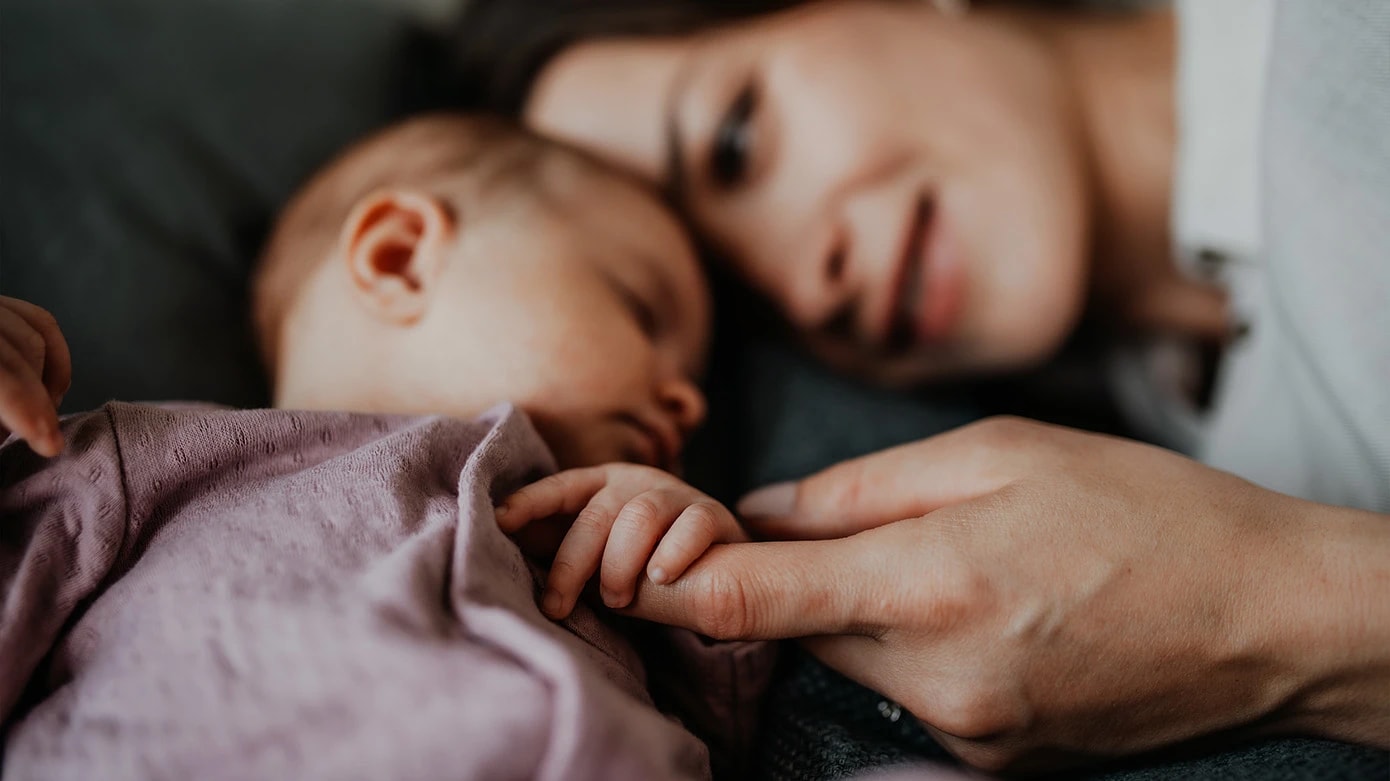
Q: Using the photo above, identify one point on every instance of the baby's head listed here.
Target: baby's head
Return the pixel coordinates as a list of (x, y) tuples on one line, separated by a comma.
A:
[(450, 263)]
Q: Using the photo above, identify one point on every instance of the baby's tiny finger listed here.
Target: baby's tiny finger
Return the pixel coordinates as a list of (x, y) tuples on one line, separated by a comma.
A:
[(55, 366), (564, 493), (697, 528), (25, 407), (636, 531), (578, 557)]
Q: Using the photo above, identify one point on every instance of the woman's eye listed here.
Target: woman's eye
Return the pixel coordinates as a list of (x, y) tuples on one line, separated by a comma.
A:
[(729, 153)]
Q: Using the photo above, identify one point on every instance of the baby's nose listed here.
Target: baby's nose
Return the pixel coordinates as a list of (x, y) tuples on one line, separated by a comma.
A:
[(683, 401)]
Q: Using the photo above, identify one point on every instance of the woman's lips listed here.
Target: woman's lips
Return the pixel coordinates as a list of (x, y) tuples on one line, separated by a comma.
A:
[(930, 283)]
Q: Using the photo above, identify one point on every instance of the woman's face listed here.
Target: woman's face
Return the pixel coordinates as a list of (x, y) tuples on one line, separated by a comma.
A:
[(909, 188)]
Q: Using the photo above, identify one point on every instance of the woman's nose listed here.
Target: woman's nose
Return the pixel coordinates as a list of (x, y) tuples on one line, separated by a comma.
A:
[(821, 290), (684, 402)]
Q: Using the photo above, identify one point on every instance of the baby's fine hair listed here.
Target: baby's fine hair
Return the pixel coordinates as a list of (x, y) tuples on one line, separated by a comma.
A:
[(457, 158)]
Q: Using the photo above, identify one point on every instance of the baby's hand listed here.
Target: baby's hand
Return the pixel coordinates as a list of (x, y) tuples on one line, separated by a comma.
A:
[(621, 512), (35, 370)]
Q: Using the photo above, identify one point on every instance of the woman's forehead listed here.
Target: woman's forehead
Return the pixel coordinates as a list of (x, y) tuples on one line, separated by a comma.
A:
[(610, 96), (617, 96)]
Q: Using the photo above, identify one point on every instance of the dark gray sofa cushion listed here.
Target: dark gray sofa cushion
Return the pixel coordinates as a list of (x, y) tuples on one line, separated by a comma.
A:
[(144, 147)]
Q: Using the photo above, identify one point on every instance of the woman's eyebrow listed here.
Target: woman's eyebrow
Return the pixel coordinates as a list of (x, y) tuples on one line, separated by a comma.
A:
[(677, 182), (674, 176)]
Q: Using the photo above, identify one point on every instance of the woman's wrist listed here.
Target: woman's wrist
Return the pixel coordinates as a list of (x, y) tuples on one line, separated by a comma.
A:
[(1327, 621)]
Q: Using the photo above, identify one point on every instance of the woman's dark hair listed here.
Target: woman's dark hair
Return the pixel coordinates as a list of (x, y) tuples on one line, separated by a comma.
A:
[(498, 47)]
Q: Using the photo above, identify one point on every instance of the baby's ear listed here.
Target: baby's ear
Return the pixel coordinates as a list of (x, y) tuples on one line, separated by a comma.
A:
[(394, 244)]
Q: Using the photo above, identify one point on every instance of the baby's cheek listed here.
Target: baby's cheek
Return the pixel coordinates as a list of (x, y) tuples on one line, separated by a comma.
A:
[(579, 440), (593, 372)]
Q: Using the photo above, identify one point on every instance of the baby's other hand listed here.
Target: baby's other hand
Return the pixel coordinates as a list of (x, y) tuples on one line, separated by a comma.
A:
[(35, 371), (621, 512)]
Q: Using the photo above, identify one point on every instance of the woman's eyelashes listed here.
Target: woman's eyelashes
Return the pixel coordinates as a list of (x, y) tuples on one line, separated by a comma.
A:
[(733, 139)]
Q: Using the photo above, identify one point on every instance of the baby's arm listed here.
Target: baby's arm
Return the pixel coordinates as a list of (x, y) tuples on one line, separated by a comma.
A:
[(622, 512), (35, 370)]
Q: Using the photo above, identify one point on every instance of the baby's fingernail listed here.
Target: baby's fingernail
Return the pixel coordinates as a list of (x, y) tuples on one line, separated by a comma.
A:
[(611, 598), (658, 576), (551, 604), (501, 510), (774, 501)]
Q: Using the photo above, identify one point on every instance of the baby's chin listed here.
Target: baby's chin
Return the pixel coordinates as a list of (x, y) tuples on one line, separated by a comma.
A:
[(579, 458), (578, 441), (576, 448)]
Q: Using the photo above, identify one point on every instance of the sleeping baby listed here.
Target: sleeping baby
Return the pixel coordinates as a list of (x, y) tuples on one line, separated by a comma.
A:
[(449, 311)]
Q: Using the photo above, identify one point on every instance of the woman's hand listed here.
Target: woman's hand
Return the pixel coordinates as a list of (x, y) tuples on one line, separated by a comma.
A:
[(35, 371), (1037, 595)]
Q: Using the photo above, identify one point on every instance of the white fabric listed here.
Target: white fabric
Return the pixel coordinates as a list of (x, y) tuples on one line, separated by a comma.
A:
[(1305, 407), (1284, 168), (1223, 48)]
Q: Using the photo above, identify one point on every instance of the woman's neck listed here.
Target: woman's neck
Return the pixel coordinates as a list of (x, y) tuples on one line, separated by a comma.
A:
[(1122, 68)]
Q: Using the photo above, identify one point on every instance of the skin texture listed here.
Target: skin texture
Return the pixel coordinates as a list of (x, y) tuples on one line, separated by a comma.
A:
[(1021, 591), (578, 299), (803, 145)]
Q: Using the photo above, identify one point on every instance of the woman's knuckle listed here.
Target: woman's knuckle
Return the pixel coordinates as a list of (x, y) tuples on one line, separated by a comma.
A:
[(960, 596), (962, 713), (978, 708), (725, 614)]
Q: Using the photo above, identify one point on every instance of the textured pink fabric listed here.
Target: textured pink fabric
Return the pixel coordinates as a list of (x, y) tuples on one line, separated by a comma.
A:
[(205, 593)]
